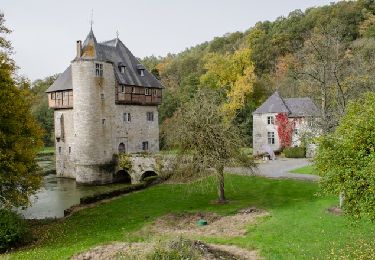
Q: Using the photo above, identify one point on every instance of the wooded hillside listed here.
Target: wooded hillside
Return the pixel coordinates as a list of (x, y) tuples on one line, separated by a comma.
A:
[(326, 53)]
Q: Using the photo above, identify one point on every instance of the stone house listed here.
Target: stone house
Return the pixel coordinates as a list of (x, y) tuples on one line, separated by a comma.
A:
[(105, 103), (301, 112)]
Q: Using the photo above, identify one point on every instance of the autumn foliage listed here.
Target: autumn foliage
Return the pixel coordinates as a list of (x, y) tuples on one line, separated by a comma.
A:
[(285, 129)]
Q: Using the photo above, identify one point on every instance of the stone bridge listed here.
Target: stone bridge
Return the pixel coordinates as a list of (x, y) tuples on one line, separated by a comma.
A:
[(140, 167)]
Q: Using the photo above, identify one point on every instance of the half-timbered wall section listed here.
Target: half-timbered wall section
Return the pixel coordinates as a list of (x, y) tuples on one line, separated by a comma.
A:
[(60, 99), (138, 95)]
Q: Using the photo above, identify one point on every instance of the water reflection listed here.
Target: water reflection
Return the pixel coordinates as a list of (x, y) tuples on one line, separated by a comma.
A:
[(56, 195)]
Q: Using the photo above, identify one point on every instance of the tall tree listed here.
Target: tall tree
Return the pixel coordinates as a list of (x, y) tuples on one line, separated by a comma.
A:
[(234, 73), (205, 139), (20, 135)]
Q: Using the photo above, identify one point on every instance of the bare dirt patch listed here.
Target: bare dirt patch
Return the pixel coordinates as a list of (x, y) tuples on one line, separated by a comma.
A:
[(138, 251), (117, 251), (185, 227), (217, 225)]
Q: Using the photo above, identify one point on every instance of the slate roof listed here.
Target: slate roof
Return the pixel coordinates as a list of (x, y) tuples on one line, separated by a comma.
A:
[(113, 51), (63, 81), (274, 104), (294, 107)]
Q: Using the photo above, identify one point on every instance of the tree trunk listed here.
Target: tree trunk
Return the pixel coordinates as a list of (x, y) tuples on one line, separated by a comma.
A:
[(220, 178)]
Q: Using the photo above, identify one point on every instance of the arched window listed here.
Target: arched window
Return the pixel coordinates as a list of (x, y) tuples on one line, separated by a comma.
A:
[(121, 148)]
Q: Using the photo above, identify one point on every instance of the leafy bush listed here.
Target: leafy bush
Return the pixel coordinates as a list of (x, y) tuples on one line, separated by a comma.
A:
[(295, 152), (13, 230), (346, 159)]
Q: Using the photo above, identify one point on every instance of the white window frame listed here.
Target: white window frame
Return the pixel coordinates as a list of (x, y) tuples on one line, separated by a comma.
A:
[(147, 92), (98, 69), (141, 72), (126, 117), (271, 137), (270, 120), (122, 69)]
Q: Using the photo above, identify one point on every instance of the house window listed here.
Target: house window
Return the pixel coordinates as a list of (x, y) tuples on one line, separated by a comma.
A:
[(271, 137), (296, 131), (133, 89), (99, 70), (270, 120), (150, 116), (147, 92), (126, 117), (53, 95), (122, 69), (154, 92), (142, 73), (145, 146), (122, 89)]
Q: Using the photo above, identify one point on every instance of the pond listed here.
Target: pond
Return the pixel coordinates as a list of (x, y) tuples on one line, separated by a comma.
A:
[(58, 194)]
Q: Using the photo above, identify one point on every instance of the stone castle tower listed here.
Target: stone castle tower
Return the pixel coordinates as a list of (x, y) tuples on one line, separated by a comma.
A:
[(104, 103)]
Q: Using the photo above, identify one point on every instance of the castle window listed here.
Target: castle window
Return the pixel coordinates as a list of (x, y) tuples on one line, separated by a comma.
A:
[(147, 92), (150, 116), (70, 149), (126, 117), (145, 146), (99, 70), (271, 137), (103, 121), (121, 148), (270, 120), (102, 97), (59, 150)]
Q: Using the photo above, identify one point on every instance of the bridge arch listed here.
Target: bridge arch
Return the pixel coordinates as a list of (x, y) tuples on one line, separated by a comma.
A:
[(147, 174), (122, 176)]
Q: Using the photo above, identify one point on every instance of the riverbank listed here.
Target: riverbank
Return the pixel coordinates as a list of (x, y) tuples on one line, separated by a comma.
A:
[(298, 224)]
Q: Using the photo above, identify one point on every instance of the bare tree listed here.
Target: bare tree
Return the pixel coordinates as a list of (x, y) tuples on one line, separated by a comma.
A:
[(205, 138)]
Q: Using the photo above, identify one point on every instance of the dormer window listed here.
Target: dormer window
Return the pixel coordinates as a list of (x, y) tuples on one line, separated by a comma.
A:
[(122, 69), (141, 69)]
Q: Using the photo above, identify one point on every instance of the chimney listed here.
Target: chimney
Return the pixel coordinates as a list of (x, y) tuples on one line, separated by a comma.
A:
[(79, 49)]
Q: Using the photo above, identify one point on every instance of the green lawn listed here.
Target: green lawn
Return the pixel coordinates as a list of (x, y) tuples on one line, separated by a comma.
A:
[(309, 169), (47, 150), (299, 226)]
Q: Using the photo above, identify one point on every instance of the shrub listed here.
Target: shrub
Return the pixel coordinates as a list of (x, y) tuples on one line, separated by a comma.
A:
[(295, 152), (13, 230), (346, 159)]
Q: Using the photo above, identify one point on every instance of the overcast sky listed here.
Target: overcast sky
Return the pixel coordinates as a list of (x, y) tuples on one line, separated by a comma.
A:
[(45, 31)]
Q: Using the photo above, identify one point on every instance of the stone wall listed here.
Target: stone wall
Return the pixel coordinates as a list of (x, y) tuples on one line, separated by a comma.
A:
[(64, 143)]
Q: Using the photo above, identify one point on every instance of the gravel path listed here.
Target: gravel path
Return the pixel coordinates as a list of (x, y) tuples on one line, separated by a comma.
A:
[(279, 168)]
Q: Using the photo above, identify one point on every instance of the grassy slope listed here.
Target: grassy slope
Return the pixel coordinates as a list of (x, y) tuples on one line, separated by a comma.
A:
[(309, 169), (299, 225)]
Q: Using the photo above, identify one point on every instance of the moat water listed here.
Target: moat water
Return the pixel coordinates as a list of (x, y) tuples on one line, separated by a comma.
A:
[(56, 195)]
